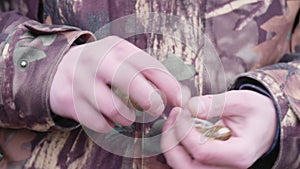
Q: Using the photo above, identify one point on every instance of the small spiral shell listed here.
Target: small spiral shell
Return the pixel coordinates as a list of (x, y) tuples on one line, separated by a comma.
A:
[(212, 131)]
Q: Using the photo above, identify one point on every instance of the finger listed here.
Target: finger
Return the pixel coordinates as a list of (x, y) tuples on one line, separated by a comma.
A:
[(125, 52), (220, 105), (167, 84), (111, 106), (155, 72), (118, 71), (88, 116), (175, 154), (223, 109), (169, 139), (177, 157), (209, 151), (134, 84)]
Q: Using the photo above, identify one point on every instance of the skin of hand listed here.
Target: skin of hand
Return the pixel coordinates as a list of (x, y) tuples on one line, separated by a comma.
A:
[(81, 89), (250, 116)]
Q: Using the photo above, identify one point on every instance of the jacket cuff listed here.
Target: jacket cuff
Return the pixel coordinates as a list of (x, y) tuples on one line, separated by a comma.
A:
[(272, 85), (30, 57)]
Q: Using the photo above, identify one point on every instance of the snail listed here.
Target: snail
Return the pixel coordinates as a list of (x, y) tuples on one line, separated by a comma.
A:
[(212, 131)]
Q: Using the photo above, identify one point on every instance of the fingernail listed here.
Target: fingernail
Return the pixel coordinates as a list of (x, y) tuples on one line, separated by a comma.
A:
[(156, 104), (172, 118), (184, 95), (173, 115), (196, 106)]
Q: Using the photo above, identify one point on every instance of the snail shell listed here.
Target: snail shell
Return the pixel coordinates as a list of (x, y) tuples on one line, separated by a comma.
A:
[(217, 132)]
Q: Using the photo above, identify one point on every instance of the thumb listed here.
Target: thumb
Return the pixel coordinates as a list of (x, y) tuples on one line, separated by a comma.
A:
[(199, 106), (207, 106)]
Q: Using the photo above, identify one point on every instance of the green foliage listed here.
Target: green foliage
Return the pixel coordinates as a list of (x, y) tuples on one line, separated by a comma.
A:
[(178, 68), (156, 128)]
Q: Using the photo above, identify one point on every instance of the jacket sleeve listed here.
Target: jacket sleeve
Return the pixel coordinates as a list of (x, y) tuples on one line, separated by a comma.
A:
[(282, 81), (30, 53)]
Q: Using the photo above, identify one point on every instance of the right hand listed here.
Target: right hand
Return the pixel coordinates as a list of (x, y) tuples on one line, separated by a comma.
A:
[(81, 86), (249, 115)]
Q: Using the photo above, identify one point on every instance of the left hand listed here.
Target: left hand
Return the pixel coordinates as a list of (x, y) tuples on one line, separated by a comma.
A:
[(81, 88), (250, 116)]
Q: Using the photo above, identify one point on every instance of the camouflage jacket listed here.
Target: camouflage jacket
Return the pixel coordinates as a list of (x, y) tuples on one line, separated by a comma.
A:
[(247, 42)]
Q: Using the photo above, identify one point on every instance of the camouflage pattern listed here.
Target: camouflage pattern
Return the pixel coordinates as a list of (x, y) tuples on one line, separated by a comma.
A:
[(250, 36)]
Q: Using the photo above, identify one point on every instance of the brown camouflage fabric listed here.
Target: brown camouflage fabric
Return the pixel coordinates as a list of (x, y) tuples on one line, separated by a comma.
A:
[(250, 37)]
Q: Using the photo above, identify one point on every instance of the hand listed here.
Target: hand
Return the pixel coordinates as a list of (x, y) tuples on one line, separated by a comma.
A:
[(81, 86), (249, 115)]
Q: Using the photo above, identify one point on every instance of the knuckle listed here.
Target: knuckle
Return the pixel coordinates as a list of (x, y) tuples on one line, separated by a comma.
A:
[(101, 127), (64, 97), (146, 105), (122, 118), (114, 113)]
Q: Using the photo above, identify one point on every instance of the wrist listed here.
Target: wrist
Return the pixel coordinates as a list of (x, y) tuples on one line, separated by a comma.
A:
[(263, 91)]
